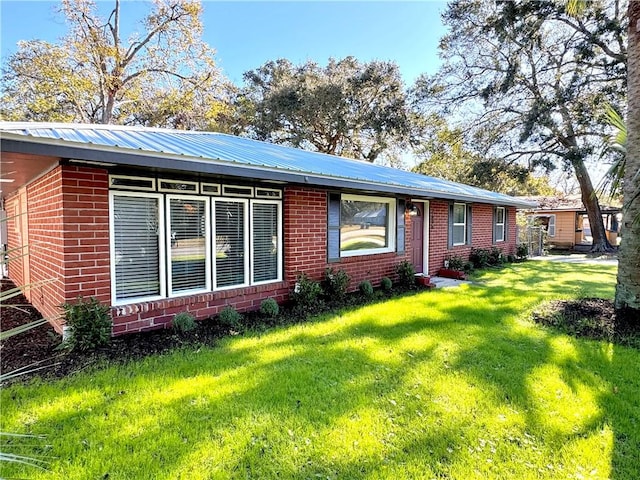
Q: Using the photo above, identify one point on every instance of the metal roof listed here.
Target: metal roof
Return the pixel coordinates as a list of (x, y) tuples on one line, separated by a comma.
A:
[(217, 153)]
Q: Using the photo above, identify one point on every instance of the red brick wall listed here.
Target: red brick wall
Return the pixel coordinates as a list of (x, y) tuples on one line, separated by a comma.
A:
[(69, 237), (85, 194), (481, 233), (46, 244), (306, 242)]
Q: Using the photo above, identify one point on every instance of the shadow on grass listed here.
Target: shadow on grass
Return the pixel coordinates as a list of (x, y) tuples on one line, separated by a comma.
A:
[(430, 385)]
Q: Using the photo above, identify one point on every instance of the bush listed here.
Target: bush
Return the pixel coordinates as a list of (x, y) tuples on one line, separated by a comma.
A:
[(386, 284), (306, 294), (335, 283), (88, 323), (486, 257), (230, 318), (495, 256), (522, 251), (184, 322), (269, 308), (456, 262), (366, 288), (406, 275), (479, 257)]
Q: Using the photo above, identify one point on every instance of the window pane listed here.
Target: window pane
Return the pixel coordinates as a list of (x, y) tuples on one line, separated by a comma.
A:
[(265, 242), (230, 243), (363, 225), (188, 250), (136, 245), (459, 212), (500, 215), (459, 233)]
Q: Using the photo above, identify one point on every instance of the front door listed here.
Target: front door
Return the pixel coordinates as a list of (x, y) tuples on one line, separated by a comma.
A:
[(417, 237)]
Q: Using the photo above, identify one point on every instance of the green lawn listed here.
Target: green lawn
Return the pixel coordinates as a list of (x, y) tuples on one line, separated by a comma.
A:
[(453, 383)]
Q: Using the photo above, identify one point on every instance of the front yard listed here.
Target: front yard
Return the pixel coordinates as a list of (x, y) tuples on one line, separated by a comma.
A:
[(453, 383)]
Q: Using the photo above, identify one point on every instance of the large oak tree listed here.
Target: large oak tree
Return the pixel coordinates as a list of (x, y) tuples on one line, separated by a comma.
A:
[(347, 108), (534, 82), (163, 75)]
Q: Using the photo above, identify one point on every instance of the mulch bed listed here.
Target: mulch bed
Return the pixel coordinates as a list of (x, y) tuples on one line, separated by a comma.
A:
[(594, 318), (40, 346)]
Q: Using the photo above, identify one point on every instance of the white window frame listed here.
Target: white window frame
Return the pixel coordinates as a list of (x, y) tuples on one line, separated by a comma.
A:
[(551, 229), (463, 224), (390, 226), (280, 240), (161, 248), (138, 188), (207, 242), (246, 246), (500, 224), (204, 186), (196, 186)]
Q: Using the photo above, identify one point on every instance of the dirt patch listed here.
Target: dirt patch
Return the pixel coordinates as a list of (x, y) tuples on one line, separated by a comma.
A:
[(594, 318)]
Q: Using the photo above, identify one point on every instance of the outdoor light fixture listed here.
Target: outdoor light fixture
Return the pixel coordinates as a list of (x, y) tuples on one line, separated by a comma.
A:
[(410, 207)]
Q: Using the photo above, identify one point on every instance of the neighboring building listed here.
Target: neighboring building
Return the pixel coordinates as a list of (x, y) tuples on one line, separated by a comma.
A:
[(566, 222), (154, 222)]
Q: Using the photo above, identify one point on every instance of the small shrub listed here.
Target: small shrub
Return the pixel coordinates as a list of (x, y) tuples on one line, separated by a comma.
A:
[(495, 256), (522, 251), (456, 262), (183, 322), (230, 318), (335, 284), (406, 275), (88, 323), (269, 308), (386, 284), (306, 294), (479, 257), (486, 257), (366, 288)]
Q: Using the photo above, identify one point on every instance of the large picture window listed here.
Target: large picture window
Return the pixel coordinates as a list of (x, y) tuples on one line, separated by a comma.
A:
[(171, 244), (366, 225), (136, 247)]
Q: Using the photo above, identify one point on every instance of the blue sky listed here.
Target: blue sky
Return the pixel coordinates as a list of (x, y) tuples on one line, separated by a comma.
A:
[(247, 34)]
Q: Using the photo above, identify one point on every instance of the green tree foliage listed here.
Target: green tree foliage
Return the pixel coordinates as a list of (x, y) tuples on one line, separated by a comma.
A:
[(162, 76), (348, 108), (534, 81), (444, 153)]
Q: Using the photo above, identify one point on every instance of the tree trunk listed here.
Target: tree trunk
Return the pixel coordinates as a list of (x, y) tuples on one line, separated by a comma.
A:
[(591, 204), (627, 298)]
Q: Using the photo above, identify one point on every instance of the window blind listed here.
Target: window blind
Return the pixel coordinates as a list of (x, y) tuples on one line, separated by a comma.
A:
[(136, 246), (265, 233), (187, 223), (230, 243)]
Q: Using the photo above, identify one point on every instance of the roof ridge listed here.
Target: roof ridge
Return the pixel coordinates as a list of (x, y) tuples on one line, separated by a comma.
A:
[(95, 126)]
